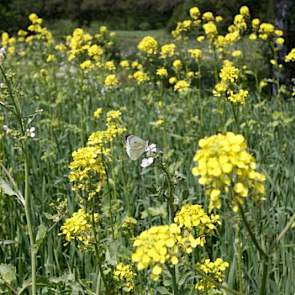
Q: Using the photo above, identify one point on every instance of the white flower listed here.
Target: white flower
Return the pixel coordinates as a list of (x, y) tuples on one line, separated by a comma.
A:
[(151, 149), (31, 132), (146, 162), (5, 128)]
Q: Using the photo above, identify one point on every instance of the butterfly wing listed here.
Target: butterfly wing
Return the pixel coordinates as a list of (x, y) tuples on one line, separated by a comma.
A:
[(135, 146)]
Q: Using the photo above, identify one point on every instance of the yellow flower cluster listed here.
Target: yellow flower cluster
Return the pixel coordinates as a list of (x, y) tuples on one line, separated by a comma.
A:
[(78, 43), (224, 165), (161, 245), (168, 50), (214, 269), (290, 56), (227, 86), (162, 72), (37, 31), (129, 222), (140, 77), (78, 227), (124, 274), (181, 86), (8, 42), (195, 53), (111, 81), (148, 45), (194, 216), (88, 165)]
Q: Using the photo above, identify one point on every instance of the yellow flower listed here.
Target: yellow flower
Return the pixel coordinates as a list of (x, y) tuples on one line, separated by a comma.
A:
[(290, 56), (177, 64), (194, 217), (95, 51), (228, 72), (252, 36), (244, 10), (167, 50), (222, 163), (111, 81), (86, 65), (87, 169), (148, 45), (194, 12), (236, 53), (195, 53), (124, 64), (200, 38), (97, 113), (172, 80), (161, 245), (215, 270), (210, 29), (208, 16), (280, 41), (140, 77), (78, 228), (110, 66), (255, 23), (50, 58), (218, 18), (129, 222), (238, 97), (181, 86), (124, 274), (162, 72)]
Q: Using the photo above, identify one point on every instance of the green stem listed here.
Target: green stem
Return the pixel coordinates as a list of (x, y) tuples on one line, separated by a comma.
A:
[(264, 278), (27, 204), (100, 270), (170, 197), (29, 223), (239, 260), (174, 281), (235, 117), (252, 236)]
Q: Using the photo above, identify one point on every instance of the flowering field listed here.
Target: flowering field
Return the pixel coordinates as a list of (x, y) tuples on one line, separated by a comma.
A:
[(161, 169)]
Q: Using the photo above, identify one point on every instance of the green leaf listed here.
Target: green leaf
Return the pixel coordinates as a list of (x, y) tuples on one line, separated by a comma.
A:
[(41, 234), (7, 273)]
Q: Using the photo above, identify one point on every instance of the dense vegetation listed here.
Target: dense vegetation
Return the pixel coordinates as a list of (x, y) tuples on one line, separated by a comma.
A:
[(197, 199)]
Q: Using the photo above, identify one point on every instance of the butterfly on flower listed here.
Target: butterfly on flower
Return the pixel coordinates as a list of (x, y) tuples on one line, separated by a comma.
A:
[(136, 147)]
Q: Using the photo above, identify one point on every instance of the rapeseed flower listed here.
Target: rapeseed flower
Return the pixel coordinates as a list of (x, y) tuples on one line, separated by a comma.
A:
[(161, 245), (125, 275), (168, 50), (111, 81), (181, 86), (79, 228), (290, 56), (162, 72), (225, 166), (148, 45), (214, 269), (194, 217)]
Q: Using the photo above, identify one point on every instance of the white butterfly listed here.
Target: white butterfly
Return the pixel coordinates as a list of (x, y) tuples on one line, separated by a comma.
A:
[(135, 146)]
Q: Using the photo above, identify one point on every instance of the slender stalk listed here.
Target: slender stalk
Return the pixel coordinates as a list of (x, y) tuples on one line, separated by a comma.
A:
[(264, 278), (96, 241), (251, 234), (174, 281), (27, 204), (170, 196), (29, 224), (239, 259), (235, 117)]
